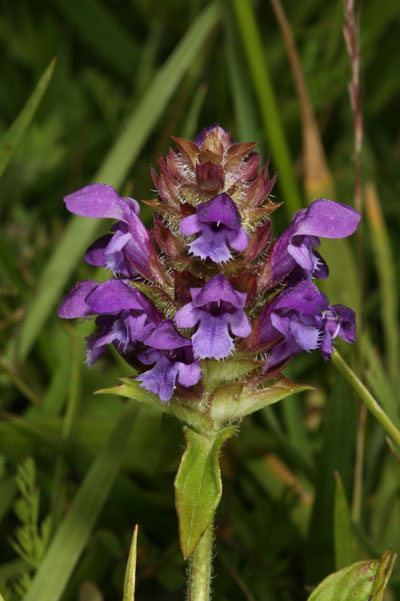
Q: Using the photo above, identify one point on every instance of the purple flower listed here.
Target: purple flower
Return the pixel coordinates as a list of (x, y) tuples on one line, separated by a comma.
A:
[(219, 223), (217, 306), (127, 250), (338, 320), (324, 218), (174, 362), (303, 317), (125, 315)]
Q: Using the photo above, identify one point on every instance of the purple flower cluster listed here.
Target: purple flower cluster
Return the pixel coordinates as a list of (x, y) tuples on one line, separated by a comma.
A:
[(206, 281)]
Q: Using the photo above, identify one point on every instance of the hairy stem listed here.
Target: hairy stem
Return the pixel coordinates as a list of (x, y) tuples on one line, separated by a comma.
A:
[(200, 568)]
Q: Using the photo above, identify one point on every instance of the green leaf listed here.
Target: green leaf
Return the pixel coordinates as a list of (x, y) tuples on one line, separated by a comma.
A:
[(342, 527), (198, 486), (131, 389), (214, 373), (10, 140), (113, 171), (253, 401), (130, 573), (70, 539), (361, 581)]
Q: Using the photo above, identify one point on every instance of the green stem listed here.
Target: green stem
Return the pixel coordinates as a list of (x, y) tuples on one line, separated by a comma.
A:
[(366, 397), (200, 568)]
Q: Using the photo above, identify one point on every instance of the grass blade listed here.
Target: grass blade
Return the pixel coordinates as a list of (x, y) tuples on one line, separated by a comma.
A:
[(113, 171), (11, 138), (387, 276), (342, 526), (130, 574), (272, 122), (240, 83), (63, 553)]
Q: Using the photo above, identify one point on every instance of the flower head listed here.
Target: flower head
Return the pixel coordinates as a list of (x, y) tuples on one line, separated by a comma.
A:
[(206, 283)]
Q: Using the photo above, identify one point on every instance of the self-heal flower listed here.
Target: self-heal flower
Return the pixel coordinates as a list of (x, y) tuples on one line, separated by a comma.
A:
[(127, 250), (216, 307), (337, 320), (208, 268), (219, 223), (300, 319), (174, 362), (323, 218), (125, 316)]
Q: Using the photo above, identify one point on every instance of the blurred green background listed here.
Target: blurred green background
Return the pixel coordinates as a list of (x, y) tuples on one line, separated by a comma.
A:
[(128, 75)]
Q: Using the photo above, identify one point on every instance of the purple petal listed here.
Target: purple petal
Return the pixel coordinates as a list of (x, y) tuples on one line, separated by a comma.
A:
[(114, 296), (218, 289), (306, 336), (188, 316), (238, 240), (304, 297), (341, 322), (326, 345), (188, 374), (302, 254), (96, 200), (199, 139), (133, 204), (95, 253), (283, 351), (137, 249), (220, 209), (165, 337), (139, 327), (239, 323), (326, 219), (75, 305), (161, 378), (212, 338), (190, 225), (211, 245), (93, 351)]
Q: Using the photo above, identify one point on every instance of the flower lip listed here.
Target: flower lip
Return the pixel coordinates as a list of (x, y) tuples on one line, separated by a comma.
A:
[(218, 289), (165, 337), (220, 209)]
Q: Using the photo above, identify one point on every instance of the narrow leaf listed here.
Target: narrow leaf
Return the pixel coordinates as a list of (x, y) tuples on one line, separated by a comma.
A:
[(11, 138), (198, 486), (70, 539), (131, 389), (361, 581), (253, 401), (268, 104), (342, 527), (80, 232), (386, 273), (130, 573)]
